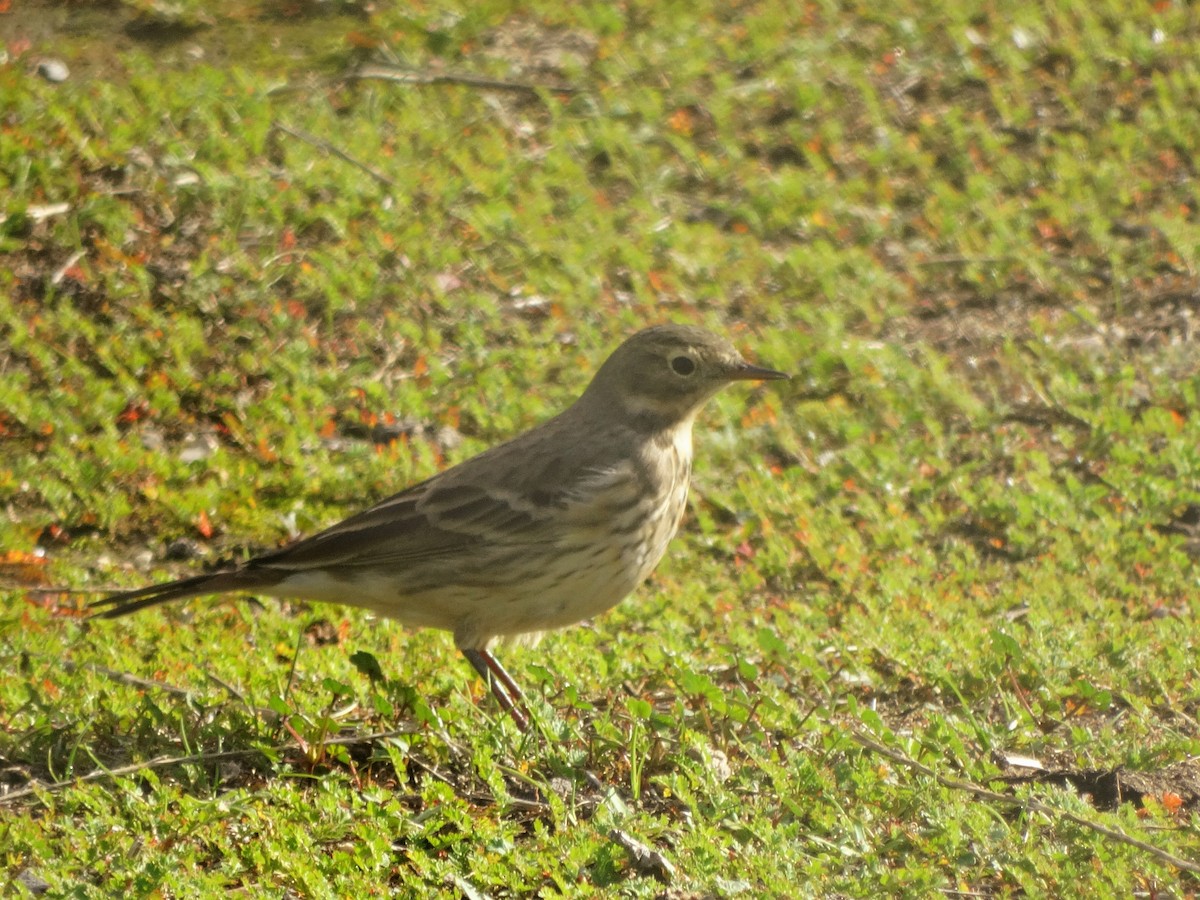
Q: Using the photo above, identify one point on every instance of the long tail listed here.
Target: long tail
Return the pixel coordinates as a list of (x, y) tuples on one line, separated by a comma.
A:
[(126, 602)]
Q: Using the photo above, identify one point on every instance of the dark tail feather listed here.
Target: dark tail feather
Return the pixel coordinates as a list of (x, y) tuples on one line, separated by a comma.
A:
[(126, 602)]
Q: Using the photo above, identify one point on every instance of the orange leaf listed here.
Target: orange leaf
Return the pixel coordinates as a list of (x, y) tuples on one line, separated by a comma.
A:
[(26, 568), (134, 411), (362, 41), (203, 525), (1048, 229), (681, 121)]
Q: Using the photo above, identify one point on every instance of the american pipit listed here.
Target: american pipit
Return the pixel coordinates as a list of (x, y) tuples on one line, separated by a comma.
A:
[(553, 527)]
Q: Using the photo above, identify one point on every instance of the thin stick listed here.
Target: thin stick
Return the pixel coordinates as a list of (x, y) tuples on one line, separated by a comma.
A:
[(336, 151), (151, 684), (408, 76), (159, 762), (61, 272), (126, 678), (1035, 806)]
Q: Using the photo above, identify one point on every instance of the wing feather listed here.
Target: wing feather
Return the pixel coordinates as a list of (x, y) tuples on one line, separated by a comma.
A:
[(426, 523)]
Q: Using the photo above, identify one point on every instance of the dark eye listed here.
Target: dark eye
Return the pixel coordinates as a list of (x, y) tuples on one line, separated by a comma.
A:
[(683, 365)]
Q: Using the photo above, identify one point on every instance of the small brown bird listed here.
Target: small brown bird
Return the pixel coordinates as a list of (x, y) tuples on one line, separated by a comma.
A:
[(550, 528)]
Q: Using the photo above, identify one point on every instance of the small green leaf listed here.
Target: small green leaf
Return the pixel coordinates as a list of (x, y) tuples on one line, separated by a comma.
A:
[(367, 664)]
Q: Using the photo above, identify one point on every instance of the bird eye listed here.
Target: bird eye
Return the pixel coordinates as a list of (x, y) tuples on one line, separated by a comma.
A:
[(683, 365)]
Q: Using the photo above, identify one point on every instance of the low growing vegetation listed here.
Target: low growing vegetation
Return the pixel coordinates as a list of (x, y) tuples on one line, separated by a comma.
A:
[(929, 628)]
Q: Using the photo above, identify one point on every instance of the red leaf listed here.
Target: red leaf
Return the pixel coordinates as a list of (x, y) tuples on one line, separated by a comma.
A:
[(361, 41)]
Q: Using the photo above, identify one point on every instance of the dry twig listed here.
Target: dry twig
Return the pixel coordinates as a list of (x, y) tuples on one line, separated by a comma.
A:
[(1028, 805)]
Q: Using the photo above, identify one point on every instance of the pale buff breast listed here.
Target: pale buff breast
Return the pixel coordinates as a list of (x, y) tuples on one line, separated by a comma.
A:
[(614, 531)]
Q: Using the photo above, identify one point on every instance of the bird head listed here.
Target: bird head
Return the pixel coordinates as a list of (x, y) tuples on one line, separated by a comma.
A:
[(663, 375)]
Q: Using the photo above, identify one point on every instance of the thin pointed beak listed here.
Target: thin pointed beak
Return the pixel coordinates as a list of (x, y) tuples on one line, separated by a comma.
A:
[(747, 372)]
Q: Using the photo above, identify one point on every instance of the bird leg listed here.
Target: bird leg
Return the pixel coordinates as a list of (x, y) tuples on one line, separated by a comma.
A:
[(502, 685)]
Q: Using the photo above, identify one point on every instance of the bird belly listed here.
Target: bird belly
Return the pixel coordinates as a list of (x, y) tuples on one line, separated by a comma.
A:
[(590, 569), (591, 577), (576, 585)]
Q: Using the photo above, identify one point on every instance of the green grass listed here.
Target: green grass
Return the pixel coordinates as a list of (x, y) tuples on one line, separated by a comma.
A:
[(963, 532)]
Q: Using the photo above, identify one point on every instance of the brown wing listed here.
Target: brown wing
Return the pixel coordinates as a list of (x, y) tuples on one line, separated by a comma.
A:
[(511, 496)]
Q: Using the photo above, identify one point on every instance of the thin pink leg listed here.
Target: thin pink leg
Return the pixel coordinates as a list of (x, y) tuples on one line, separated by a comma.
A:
[(506, 691)]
